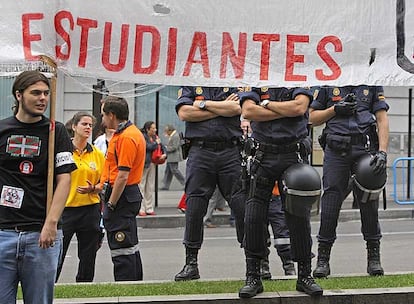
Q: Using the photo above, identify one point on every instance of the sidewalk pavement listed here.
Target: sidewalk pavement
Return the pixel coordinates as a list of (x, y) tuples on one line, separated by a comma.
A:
[(168, 216)]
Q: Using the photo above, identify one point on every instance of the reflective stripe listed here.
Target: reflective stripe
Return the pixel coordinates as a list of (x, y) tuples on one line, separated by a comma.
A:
[(304, 192), (124, 251), (282, 241)]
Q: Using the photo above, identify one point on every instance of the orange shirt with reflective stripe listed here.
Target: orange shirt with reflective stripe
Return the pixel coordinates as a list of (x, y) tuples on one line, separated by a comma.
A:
[(130, 156)]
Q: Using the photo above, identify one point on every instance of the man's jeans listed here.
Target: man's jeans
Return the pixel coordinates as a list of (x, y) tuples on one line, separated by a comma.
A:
[(22, 260)]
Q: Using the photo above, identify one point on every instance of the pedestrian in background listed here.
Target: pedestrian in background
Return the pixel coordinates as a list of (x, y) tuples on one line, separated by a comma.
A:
[(216, 202), (174, 157), (82, 214), (102, 141), (356, 126), (147, 184), (122, 173), (31, 235)]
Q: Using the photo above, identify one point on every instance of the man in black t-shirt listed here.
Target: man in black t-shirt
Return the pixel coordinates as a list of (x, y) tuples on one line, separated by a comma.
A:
[(31, 237)]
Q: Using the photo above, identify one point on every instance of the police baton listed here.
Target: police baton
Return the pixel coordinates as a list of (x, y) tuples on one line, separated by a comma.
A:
[(384, 198)]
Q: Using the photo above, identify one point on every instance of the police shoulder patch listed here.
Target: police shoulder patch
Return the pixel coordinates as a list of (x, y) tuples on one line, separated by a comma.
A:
[(336, 91), (365, 92), (264, 89), (180, 93), (199, 90), (225, 90)]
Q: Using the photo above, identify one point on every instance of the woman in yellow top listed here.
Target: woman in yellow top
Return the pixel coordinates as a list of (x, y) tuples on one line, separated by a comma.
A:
[(82, 213)]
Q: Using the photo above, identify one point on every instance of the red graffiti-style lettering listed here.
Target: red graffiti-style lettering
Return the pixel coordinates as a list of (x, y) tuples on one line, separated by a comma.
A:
[(327, 58), (60, 30), (28, 37), (123, 48), (171, 52), (85, 25), (265, 39), (292, 58), (199, 42), (237, 61), (155, 49)]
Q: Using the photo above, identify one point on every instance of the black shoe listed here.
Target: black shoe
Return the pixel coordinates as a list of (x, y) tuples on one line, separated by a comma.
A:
[(189, 272), (289, 268), (308, 286), (252, 287), (322, 270)]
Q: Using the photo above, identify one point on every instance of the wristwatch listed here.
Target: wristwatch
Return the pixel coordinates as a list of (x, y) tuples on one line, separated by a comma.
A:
[(110, 206), (265, 103), (202, 105)]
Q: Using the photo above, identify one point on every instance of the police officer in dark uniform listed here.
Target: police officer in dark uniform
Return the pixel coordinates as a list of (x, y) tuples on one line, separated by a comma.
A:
[(356, 125), (279, 118), (212, 116)]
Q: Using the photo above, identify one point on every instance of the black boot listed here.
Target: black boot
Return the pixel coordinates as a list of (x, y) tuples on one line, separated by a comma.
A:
[(322, 269), (288, 265), (374, 263), (190, 269), (305, 282), (253, 284), (265, 269)]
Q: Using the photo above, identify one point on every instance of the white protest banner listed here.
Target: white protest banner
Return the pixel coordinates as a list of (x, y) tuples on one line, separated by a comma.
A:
[(217, 43)]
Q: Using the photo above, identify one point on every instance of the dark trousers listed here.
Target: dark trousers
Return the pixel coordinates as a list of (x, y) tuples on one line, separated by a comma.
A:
[(122, 234), (337, 170), (207, 168), (271, 169), (84, 222)]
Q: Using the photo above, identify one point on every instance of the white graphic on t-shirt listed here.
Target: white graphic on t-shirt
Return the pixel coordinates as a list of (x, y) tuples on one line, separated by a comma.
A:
[(11, 197)]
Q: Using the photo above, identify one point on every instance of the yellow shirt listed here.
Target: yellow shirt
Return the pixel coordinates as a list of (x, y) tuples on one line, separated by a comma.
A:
[(90, 164)]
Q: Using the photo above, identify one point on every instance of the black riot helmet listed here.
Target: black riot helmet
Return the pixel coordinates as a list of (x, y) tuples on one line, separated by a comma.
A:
[(302, 189), (369, 185)]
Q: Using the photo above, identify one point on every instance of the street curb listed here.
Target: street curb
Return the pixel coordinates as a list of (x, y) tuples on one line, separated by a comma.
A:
[(222, 219), (367, 296)]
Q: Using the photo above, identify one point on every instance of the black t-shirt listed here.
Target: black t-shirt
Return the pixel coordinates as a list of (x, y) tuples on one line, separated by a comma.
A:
[(24, 170)]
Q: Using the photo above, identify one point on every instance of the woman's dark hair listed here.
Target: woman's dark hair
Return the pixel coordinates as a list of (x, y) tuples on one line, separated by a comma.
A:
[(147, 126), (23, 81), (78, 116)]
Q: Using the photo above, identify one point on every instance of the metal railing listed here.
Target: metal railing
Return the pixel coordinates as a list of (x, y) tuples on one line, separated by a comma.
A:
[(403, 178)]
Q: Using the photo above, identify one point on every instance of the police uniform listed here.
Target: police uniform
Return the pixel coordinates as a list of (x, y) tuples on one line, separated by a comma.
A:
[(213, 159), (346, 139), (281, 143), (126, 151)]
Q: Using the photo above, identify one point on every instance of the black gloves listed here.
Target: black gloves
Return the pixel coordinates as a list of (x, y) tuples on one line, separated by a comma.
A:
[(347, 106), (379, 161)]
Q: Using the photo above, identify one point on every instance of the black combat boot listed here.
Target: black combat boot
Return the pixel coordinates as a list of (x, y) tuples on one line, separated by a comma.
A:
[(265, 269), (190, 269), (374, 263), (305, 282), (253, 284), (322, 269), (288, 265)]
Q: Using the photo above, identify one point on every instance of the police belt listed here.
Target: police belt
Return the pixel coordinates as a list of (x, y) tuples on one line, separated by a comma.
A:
[(279, 149), (356, 138), (213, 145)]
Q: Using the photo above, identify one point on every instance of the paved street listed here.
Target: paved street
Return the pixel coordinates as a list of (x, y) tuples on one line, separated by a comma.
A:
[(163, 254)]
